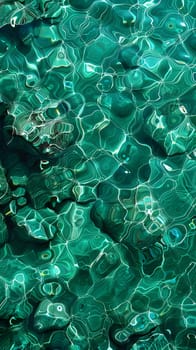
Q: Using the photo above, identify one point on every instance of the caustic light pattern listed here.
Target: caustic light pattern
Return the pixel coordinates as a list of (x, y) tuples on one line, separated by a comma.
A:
[(97, 175)]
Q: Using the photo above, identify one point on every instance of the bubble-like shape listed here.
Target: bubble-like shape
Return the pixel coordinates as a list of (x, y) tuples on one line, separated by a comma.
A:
[(50, 316), (174, 236), (80, 6)]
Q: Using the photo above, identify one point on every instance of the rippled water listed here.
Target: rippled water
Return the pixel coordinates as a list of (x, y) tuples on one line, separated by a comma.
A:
[(97, 190)]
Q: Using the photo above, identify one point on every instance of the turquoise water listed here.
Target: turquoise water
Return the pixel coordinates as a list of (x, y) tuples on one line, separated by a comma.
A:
[(97, 169)]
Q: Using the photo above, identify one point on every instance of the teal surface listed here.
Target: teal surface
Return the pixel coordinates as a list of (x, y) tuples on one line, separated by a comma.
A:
[(98, 175)]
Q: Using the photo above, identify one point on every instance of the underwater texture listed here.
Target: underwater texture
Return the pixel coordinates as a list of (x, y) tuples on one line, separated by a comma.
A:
[(98, 175)]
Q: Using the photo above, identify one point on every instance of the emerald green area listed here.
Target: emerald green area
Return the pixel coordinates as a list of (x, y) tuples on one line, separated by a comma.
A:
[(97, 175)]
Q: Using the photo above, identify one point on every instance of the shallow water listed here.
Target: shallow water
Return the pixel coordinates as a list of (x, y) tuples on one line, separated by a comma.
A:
[(97, 191)]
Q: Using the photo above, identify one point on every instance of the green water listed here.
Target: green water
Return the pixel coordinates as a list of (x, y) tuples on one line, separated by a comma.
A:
[(97, 175)]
